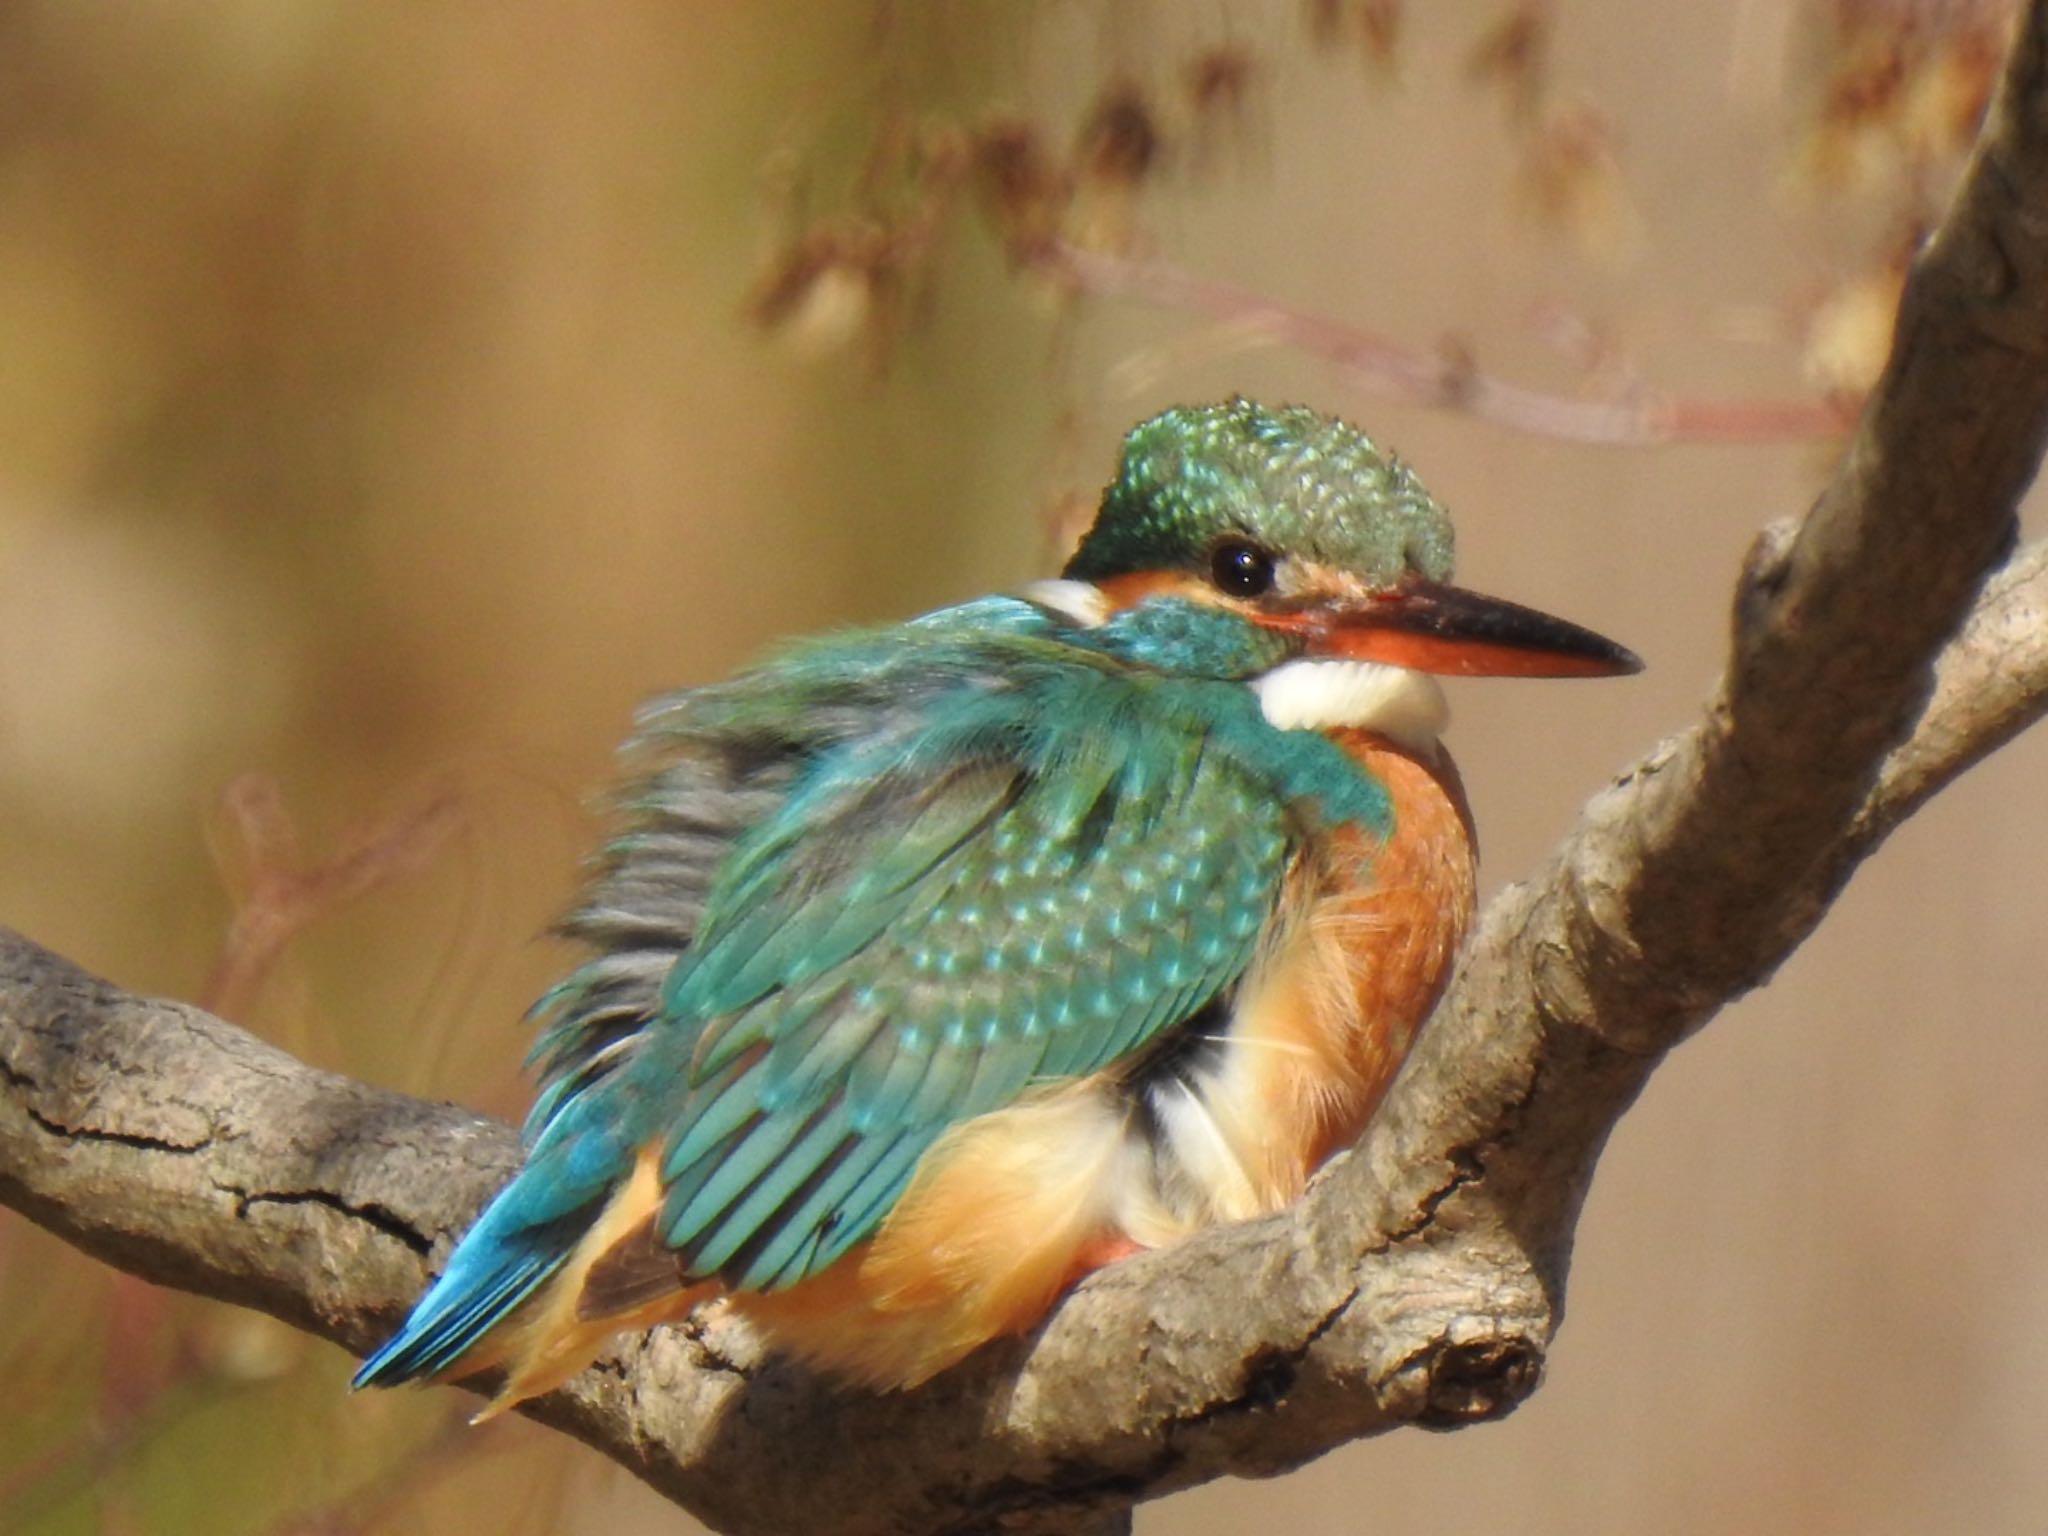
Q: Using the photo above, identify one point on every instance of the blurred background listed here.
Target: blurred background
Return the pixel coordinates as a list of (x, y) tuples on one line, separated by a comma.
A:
[(392, 396)]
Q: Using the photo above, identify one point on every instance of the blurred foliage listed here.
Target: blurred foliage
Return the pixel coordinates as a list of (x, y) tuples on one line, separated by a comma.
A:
[(389, 403)]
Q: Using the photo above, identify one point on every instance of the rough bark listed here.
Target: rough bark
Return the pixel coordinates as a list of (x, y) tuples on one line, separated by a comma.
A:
[(1421, 1278)]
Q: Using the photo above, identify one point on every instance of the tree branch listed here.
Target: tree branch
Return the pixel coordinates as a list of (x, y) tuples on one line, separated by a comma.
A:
[(1420, 1279), (1446, 379)]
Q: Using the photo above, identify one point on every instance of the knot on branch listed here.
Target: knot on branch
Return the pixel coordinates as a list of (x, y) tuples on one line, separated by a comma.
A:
[(1472, 1380), (1766, 572)]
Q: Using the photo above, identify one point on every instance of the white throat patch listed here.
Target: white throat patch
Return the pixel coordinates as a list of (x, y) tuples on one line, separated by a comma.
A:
[(1080, 601), (1408, 707)]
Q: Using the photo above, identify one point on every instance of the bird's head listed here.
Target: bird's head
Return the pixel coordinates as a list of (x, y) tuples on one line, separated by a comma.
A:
[(1283, 547)]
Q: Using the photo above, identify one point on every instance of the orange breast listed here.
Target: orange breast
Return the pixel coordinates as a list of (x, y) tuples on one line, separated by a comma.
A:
[(1332, 1016)]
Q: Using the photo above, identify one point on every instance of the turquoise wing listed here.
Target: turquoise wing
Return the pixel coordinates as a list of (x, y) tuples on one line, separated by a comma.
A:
[(934, 921), (714, 762)]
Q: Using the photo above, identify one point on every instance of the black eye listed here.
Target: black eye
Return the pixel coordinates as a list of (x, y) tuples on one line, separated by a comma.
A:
[(1240, 568)]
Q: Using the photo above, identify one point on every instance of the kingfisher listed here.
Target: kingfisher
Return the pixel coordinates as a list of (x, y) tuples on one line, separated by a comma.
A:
[(937, 965)]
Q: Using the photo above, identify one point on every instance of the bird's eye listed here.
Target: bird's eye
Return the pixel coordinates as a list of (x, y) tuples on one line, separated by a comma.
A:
[(1240, 568)]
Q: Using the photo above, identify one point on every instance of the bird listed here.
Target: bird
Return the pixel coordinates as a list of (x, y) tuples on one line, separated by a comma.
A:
[(934, 966)]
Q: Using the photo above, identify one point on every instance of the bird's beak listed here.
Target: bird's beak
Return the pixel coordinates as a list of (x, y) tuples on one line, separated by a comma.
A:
[(1427, 626)]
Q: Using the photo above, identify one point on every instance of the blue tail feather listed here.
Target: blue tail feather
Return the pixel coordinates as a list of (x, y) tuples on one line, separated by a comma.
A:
[(523, 1237)]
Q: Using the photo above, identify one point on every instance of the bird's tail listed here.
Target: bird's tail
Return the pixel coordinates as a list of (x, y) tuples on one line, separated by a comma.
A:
[(538, 1297), (494, 1269)]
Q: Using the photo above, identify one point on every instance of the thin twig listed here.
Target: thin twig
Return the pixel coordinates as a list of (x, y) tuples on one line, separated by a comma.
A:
[(1446, 380)]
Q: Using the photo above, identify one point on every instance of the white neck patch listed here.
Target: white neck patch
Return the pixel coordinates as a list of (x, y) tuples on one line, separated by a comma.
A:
[(1406, 706), (1080, 601)]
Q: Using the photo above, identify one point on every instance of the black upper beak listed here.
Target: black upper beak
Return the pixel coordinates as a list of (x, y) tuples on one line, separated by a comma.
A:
[(1432, 627)]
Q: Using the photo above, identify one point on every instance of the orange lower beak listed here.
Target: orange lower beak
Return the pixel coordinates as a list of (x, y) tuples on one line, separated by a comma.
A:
[(1430, 627)]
